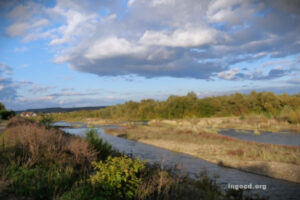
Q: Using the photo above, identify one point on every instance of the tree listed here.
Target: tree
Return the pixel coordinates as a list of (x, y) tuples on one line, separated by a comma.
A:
[(2, 107)]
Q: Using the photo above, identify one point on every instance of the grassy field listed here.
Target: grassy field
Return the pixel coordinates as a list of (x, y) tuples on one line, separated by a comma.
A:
[(276, 161), (249, 122)]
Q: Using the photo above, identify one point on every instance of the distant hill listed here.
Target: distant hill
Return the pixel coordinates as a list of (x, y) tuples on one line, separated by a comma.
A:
[(58, 109)]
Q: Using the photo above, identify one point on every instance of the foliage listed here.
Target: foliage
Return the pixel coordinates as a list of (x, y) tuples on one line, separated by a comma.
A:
[(45, 163), (5, 114), (290, 115), (46, 120), (41, 182), (33, 144), (2, 107), (102, 148), (42, 162), (117, 177), (82, 191), (189, 106)]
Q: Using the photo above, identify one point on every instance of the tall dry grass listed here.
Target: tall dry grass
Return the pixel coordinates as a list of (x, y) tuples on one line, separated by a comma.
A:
[(32, 143)]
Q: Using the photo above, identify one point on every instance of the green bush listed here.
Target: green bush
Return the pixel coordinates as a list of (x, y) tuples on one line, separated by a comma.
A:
[(82, 191), (46, 120), (41, 182), (103, 148), (5, 114), (118, 177)]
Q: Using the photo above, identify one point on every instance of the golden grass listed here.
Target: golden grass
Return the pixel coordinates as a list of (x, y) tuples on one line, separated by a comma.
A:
[(249, 122), (269, 159), (35, 143)]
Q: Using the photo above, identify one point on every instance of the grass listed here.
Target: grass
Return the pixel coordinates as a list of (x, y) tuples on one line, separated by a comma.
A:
[(249, 156), (39, 162), (247, 122), (286, 119), (254, 122)]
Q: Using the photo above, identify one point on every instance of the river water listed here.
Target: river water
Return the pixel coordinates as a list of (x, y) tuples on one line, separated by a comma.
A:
[(284, 138), (275, 189)]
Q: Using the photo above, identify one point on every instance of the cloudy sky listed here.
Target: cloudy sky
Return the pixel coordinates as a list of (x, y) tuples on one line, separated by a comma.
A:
[(91, 53)]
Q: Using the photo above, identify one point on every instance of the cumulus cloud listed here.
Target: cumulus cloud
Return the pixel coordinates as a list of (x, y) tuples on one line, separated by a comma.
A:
[(153, 38), (17, 29), (27, 18), (229, 74), (180, 38), (111, 47)]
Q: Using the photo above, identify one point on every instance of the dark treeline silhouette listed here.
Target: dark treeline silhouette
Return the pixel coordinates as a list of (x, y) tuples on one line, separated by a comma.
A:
[(176, 107), (5, 114)]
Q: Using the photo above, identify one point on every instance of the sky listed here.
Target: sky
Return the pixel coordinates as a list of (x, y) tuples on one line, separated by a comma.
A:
[(76, 53)]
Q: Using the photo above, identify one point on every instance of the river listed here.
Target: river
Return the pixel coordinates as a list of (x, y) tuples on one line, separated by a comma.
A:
[(275, 189), (283, 138)]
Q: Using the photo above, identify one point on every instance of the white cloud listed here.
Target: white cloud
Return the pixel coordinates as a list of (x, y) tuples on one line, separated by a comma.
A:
[(232, 11), (111, 47), (131, 2), (162, 2), (17, 29), (155, 37), (5, 69), (41, 22), (180, 38), (229, 74), (76, 24)]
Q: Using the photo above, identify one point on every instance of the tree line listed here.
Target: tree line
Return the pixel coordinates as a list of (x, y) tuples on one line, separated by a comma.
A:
[(190, 106), (5, 114)]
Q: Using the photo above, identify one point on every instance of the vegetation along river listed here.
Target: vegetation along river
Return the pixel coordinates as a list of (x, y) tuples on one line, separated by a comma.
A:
[(275, 189)]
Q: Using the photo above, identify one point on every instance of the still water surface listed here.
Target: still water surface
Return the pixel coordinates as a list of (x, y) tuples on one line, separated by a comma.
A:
[(284, 138)]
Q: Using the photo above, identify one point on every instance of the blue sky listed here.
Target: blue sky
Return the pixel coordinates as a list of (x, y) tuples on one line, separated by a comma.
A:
[(91, 53)]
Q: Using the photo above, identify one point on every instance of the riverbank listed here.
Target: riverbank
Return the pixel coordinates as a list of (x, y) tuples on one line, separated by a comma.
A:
[(42, 162), (276, 161), (256, 123)]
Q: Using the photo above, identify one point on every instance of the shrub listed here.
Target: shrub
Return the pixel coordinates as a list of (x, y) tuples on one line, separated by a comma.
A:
[(41, 182), (242, 117), (17, 121), (82, 191), (207, 187), (32, 144), (118, 177), (290, 115), (5, 114), (157, 183), (43, 163), (46, 120), (101, 147)]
